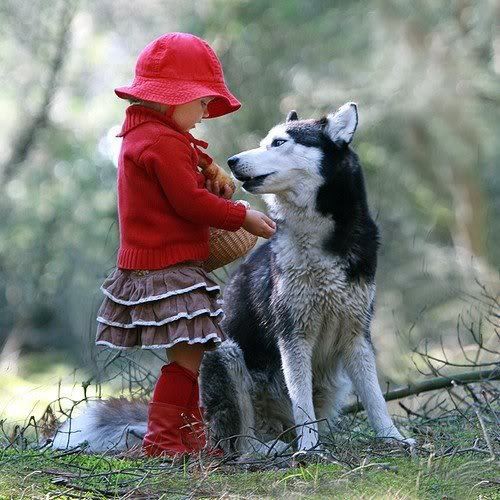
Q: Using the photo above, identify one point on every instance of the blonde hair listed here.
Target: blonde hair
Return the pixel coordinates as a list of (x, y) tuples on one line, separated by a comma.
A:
[(158, 106)]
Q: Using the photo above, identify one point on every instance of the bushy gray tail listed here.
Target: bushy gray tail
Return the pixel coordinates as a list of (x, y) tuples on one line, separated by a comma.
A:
[(116, 424)]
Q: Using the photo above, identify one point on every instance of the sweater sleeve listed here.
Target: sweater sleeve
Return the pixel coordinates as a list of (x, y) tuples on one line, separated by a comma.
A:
[(169, 160)]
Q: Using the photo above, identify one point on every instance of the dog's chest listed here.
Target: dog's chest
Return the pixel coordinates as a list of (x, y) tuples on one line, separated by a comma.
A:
[(316, 290)]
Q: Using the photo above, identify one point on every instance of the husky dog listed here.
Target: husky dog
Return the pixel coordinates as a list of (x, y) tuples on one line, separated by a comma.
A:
[(298, 310)]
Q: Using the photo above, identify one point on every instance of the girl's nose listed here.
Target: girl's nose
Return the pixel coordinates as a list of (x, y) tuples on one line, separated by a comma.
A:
[(206, 114)]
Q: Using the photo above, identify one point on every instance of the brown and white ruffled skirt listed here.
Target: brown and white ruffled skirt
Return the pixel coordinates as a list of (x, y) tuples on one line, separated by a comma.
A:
[(154, 309)]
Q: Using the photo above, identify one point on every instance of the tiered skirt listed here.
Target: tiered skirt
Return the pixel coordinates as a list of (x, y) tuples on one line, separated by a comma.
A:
[(154, 309)]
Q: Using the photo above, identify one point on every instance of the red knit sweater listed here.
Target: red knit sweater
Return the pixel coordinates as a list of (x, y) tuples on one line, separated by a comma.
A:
[(164, 210)]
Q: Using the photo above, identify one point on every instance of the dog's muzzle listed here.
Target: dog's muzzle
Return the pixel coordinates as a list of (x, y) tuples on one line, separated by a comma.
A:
[(250, 183), (244, 177)]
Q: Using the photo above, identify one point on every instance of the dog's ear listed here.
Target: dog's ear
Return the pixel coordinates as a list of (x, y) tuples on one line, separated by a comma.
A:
[(341, 125), (292, 116)]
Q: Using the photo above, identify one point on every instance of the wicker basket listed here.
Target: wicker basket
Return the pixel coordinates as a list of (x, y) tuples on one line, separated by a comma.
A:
[(227, 246)]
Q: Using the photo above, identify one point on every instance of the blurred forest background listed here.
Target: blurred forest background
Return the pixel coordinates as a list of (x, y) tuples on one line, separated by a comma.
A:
[(425, 75)]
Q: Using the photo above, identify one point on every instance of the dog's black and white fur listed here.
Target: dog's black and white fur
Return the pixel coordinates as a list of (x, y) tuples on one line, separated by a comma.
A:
[(298, 310)]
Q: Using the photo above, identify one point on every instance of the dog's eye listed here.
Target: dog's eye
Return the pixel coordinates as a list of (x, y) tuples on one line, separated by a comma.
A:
[(277, 142)]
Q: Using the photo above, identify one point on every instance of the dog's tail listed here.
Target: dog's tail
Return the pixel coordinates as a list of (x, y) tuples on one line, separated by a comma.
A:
[(116, 424)]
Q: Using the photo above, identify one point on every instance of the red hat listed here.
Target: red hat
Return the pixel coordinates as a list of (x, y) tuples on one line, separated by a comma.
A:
[(177, 68)]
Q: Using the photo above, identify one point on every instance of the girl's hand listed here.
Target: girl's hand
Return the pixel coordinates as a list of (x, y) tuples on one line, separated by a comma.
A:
[(259, 224), (225, 191), (220, 183)]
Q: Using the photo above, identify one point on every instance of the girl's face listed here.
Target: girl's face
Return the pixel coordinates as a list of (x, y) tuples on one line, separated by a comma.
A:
[(189, 114)]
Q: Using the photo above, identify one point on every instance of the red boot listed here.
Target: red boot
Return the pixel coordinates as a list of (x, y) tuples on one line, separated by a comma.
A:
[(172, 430), (175, 423)]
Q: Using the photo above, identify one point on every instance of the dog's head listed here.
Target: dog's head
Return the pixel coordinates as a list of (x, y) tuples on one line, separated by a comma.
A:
[(296, 157)]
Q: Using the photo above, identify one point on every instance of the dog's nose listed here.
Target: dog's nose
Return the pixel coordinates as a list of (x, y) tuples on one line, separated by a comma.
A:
[(232, 161)]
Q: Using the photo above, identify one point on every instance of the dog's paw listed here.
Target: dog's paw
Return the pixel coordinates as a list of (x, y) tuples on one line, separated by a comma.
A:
[(399, 441), (409, 442), (303, 458)]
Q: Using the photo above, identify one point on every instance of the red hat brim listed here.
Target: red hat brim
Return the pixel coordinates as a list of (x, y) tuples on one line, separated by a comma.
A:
[(175, 92)]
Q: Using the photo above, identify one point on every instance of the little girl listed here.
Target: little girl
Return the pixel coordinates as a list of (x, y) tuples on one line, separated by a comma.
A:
[(159, 296)]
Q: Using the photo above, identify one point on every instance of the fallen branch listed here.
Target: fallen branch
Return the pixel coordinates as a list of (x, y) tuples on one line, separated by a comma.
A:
[(434, 384)]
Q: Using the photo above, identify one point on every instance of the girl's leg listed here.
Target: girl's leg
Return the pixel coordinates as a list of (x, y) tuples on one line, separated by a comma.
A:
[(187, 355)]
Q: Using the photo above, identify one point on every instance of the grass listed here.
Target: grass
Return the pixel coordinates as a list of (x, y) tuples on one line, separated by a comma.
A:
[(362, 468), (356, 466), (48, 475)]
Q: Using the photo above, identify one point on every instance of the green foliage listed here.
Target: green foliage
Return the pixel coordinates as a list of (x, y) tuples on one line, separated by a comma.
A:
[(425, 75)]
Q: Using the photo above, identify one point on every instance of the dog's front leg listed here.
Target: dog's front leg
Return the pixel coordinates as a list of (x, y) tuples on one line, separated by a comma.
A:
[(359, 362), (296, 363)]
